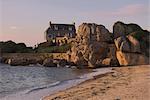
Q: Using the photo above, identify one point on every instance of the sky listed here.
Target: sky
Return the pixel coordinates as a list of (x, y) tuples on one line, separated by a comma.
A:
[(26, 20)]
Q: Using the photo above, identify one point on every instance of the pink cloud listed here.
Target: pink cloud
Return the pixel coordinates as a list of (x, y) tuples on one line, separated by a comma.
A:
[(128, 10), (13, 27)]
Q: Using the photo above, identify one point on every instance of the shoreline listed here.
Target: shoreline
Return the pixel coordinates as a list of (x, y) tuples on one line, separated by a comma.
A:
[(126, 83), (36, 94)]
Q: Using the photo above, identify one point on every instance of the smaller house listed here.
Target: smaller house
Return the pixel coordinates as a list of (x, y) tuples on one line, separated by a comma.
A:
[(60, 31)]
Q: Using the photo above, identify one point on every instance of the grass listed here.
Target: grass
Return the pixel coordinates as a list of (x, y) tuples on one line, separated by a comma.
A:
[(54, 49)]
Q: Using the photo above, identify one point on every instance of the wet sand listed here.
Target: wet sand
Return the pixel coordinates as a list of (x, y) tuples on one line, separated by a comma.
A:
[(125, 83)]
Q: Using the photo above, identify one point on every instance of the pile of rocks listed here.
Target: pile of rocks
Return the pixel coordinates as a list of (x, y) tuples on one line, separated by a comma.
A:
[(47, 62), (95, 46), (21, 61)]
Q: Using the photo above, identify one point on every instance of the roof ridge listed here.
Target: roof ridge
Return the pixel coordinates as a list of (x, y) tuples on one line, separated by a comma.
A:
[(60, 24)]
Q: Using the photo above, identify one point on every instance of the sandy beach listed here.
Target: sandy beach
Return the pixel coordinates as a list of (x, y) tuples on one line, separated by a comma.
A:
[(125, 83)]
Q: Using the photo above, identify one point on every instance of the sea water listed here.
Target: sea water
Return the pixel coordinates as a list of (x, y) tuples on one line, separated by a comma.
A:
[(34, 82)]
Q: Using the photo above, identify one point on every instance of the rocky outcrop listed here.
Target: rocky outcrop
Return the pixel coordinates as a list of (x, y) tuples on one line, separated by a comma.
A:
[(22, 61), (144, 40), (49, 63), (96, 46), (121, 29), (127, 44), (132, 44), (111, 59), (92, 46), (56, 63), (125, 58), (17, 62)]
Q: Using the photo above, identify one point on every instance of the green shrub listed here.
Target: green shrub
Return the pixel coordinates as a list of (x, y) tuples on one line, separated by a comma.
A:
[(12, 47), (54, 49)]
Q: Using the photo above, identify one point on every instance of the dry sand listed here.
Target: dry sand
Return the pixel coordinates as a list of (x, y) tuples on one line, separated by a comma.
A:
[(125, 83)]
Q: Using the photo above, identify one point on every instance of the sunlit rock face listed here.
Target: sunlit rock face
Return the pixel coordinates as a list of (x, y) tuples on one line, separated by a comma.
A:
[(132, 43), (93, 44)]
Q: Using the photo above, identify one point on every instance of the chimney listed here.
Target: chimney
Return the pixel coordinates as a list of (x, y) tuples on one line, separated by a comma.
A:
[(73, 23), (50, 23)]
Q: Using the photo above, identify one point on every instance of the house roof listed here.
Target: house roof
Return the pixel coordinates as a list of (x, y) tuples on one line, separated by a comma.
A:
[(61, 27)]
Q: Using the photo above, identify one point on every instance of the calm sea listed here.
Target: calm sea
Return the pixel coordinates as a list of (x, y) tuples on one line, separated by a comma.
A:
[(14, 79)]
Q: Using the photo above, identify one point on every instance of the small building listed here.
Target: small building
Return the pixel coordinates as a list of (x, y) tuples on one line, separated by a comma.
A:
[(60, 31)]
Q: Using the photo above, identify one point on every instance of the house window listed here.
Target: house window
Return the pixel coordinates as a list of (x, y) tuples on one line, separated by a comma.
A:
[(49, 36), (70, 28), (70, 35), (58, 34), (56, 27)]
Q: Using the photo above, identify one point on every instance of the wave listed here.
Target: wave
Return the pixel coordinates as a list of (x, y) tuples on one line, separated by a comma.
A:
[(37, 93), (58, 83), (42, 87)]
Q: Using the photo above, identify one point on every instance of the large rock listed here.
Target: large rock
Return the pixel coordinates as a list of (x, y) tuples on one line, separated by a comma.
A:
[(22, 61), (132, 43), (49, 63), (63, 62), (111, 59), (122, 44), (110, 62), (34, 60), (144, 40), (4, 60), (98, 51), (127, 44), (91, 45), (121, 29), (17, 62), (131, 58), (92, 32)]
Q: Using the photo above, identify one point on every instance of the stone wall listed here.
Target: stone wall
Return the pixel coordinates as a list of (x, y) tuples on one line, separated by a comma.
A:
[(45, 59), (35, 55)]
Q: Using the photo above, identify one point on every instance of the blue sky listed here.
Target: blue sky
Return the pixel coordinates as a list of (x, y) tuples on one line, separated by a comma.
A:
[(26, 20)]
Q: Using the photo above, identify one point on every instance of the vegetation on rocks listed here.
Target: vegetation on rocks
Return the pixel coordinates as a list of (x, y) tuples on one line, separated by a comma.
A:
[(12, 47), (54, 49)]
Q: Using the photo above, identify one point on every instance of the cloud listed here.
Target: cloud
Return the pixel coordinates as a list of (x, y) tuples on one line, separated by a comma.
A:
[(130, 10), (125, 11), (13, 27)]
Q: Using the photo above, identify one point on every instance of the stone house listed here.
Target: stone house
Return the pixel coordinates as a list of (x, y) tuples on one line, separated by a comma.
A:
[(58, 32)]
